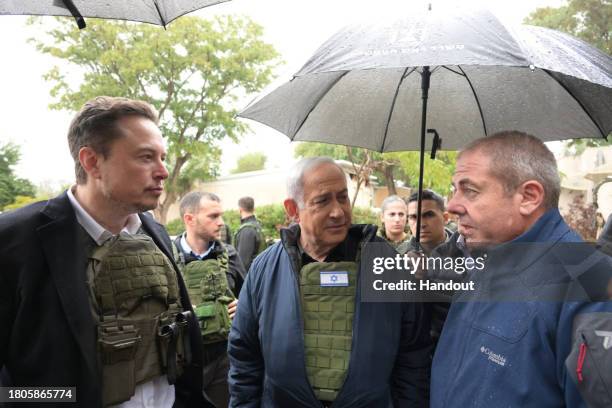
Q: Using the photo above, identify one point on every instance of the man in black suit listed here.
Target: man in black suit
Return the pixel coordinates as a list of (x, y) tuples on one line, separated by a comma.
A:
[(90, 296)]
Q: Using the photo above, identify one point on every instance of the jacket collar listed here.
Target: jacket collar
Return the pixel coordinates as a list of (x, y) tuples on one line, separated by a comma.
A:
[(290, 239), (549, 227)]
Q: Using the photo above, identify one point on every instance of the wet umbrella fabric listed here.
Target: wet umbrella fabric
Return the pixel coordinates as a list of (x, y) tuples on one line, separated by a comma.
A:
[(160, 12), (366, 85), (363, 88)]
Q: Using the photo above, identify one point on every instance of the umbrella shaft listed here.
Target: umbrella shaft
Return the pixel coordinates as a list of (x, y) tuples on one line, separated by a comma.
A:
[(425, 76)]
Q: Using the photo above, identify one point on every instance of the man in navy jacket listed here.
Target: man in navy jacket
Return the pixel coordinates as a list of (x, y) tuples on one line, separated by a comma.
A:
[(533, 334), (279, 345)]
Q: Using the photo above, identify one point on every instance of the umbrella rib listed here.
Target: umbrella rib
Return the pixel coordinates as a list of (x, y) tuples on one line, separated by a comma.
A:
[(484, 124), (603, 135), (404, 75), (314, 105), (453, 71), (160, 14)]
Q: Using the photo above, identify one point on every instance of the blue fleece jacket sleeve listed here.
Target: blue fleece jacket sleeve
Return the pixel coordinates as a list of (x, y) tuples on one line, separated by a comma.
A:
[(246, 372)]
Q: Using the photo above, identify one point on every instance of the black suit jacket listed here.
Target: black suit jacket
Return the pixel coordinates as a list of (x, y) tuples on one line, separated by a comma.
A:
[(47, 332)]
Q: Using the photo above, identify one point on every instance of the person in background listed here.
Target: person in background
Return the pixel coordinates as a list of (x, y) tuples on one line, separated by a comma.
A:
[(393, 217), (433, 220), (250, 240), (213, 273)]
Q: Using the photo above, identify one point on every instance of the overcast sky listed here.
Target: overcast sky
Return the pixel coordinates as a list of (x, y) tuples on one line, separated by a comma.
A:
[(295, 28)]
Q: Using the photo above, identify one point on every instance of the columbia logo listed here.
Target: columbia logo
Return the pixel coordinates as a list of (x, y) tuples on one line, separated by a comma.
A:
[(494, 357), (607, 338)]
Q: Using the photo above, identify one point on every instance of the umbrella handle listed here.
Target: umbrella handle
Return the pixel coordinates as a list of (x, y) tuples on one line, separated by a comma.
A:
[(436, 144)]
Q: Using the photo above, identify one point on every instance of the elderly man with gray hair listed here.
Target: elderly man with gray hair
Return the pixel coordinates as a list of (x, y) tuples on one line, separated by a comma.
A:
[(301, 336)]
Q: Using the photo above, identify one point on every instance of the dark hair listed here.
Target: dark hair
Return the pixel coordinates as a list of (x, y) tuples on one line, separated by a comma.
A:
[(516, 157), (247, 204), (190, 203), (428, 195), (95, 126)]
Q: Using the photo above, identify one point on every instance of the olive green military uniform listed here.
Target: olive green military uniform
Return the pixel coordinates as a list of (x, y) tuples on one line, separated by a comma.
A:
[(213, 282), (250, 240)]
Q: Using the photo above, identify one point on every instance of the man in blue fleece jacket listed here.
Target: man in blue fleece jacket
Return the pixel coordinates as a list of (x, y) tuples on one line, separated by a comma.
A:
[(302, 337), (537, 332)]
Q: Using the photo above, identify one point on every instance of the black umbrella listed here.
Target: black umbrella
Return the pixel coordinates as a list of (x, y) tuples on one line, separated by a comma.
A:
[(462, 74), (160, 12)]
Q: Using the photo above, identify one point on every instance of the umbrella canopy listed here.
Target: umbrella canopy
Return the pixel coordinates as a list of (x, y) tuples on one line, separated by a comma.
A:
[(160, 12), (369, 85), (363, 86)]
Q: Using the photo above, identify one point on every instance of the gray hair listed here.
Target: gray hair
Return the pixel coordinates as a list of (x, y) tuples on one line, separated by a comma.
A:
[(190, 203), (390, 200), (516, 157), (295, 181)]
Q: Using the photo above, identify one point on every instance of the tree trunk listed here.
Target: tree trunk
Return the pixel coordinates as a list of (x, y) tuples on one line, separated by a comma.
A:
[(389, 180), (161, 212)]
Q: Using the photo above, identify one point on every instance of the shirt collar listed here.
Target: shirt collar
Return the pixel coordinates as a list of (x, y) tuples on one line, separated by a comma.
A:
[(100, 234), (187, 248)]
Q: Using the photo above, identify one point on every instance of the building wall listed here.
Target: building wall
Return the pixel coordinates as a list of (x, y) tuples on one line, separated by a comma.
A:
[(574, 168)]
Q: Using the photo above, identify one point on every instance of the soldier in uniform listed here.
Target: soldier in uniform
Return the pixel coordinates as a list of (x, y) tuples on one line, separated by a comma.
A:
[(90, 296), (433, 234), (393, 217), (213, 273), (301, 336), (249, 239), (433, 220)]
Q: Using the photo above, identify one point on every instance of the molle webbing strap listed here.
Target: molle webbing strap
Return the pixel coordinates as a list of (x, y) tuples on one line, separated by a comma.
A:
[(328, 323), (132, 269)]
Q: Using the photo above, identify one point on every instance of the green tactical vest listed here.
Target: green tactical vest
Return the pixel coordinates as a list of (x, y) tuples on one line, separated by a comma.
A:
[(328, 326), (261, 246), (142, 329), (209, 291)]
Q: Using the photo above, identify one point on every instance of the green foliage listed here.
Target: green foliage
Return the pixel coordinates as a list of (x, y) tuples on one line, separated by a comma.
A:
[(364, 215), (193, 73), (438, 172), (589, 20), (11, 186), (250, 162), (21, 201), (271, 216), (175, 227), (232, 219), (337, 152)]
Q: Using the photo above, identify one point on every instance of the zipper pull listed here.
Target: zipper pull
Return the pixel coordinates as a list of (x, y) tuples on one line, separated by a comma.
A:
[(581, 357)]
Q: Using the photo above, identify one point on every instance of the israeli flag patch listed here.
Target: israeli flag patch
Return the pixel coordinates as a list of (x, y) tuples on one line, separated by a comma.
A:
[(334, 278)]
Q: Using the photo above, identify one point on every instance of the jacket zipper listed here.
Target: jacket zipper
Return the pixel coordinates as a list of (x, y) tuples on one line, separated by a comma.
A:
[(581, 358)]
